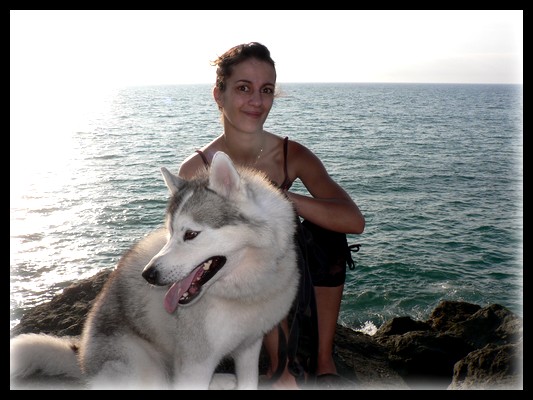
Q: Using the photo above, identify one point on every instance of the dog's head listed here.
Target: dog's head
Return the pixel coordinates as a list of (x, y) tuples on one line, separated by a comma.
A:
[(206, 225)]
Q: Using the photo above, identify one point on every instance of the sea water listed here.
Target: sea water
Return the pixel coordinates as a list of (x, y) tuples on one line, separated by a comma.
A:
[(436, 170)]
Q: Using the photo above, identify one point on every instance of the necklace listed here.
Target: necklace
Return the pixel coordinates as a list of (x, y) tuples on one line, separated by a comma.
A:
[(256, 158), (259, 155)]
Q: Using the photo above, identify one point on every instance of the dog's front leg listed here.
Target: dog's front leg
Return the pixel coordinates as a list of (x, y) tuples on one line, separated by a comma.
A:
[(194, 376), (247, 365)]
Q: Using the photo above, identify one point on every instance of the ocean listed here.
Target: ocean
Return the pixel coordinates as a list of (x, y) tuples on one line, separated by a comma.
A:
[(436, 169)]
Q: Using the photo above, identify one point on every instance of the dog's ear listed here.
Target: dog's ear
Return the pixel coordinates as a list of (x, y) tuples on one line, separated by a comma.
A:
[(172, 181), (223, 177)]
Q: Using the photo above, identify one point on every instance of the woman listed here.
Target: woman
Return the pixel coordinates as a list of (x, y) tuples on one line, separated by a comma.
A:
[(244, 92)]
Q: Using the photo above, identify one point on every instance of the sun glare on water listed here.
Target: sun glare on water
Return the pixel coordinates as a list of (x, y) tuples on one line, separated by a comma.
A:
[(45, 160), (41, 135)]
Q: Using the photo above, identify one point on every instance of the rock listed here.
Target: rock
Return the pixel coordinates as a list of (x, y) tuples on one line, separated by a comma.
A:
[(65, 314), (492, 367), (460, 346), (448, 313), (365, 361), (447, 353)]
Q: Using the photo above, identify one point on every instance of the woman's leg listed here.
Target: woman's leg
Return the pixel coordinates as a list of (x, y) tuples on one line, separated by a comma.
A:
[(328, 303), (270, 341)]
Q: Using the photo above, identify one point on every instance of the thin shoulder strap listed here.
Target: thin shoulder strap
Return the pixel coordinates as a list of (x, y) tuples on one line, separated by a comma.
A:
[(285, 149), (286, 182), (203, 158)]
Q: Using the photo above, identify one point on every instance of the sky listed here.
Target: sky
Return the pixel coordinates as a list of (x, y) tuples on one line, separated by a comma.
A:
[(93, 49), (62, 62)]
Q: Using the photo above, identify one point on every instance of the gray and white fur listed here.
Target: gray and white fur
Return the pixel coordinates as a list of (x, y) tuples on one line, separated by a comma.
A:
[(209, 285)]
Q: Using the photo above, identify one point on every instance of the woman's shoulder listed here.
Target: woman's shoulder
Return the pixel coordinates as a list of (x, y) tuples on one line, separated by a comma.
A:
[(198, 160), (298, 152), (301, 162), (190, 166), (195, 162)]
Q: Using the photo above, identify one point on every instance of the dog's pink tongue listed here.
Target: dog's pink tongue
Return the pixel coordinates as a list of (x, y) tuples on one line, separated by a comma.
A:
[(173, 295)]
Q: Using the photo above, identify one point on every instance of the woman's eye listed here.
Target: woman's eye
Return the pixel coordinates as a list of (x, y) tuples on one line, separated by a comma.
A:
[(243, 88)]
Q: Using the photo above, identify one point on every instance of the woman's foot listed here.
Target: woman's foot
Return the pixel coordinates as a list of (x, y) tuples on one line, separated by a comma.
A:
[(286, 381), (326, 365)]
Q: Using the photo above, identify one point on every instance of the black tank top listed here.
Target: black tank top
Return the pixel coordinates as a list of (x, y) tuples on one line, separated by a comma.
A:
[(286, 184)]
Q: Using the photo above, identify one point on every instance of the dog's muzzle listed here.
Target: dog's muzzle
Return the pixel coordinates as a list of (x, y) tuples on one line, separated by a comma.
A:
[(189, 288)]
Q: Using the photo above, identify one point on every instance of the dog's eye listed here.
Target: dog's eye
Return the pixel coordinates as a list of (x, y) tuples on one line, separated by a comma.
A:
[(189, 235)]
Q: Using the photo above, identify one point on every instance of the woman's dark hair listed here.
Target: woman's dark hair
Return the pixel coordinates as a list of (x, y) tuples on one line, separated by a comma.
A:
[(236, 55)]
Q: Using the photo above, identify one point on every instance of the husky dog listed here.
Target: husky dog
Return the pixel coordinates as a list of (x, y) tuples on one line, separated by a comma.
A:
[(220, 274)]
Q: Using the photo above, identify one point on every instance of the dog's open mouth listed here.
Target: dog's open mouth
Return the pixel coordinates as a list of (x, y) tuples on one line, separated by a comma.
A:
[(186, 290)]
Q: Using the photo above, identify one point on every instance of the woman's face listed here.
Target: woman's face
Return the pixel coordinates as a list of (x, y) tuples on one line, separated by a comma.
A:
[(249, 95)]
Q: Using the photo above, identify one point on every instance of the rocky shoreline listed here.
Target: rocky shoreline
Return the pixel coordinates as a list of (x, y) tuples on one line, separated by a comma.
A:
[(461, 346)]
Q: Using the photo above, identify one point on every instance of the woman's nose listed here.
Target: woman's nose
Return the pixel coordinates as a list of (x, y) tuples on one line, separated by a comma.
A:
[(256, 98)]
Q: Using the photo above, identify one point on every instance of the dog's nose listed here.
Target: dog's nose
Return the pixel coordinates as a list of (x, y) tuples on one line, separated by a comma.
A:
[(150, 274)]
